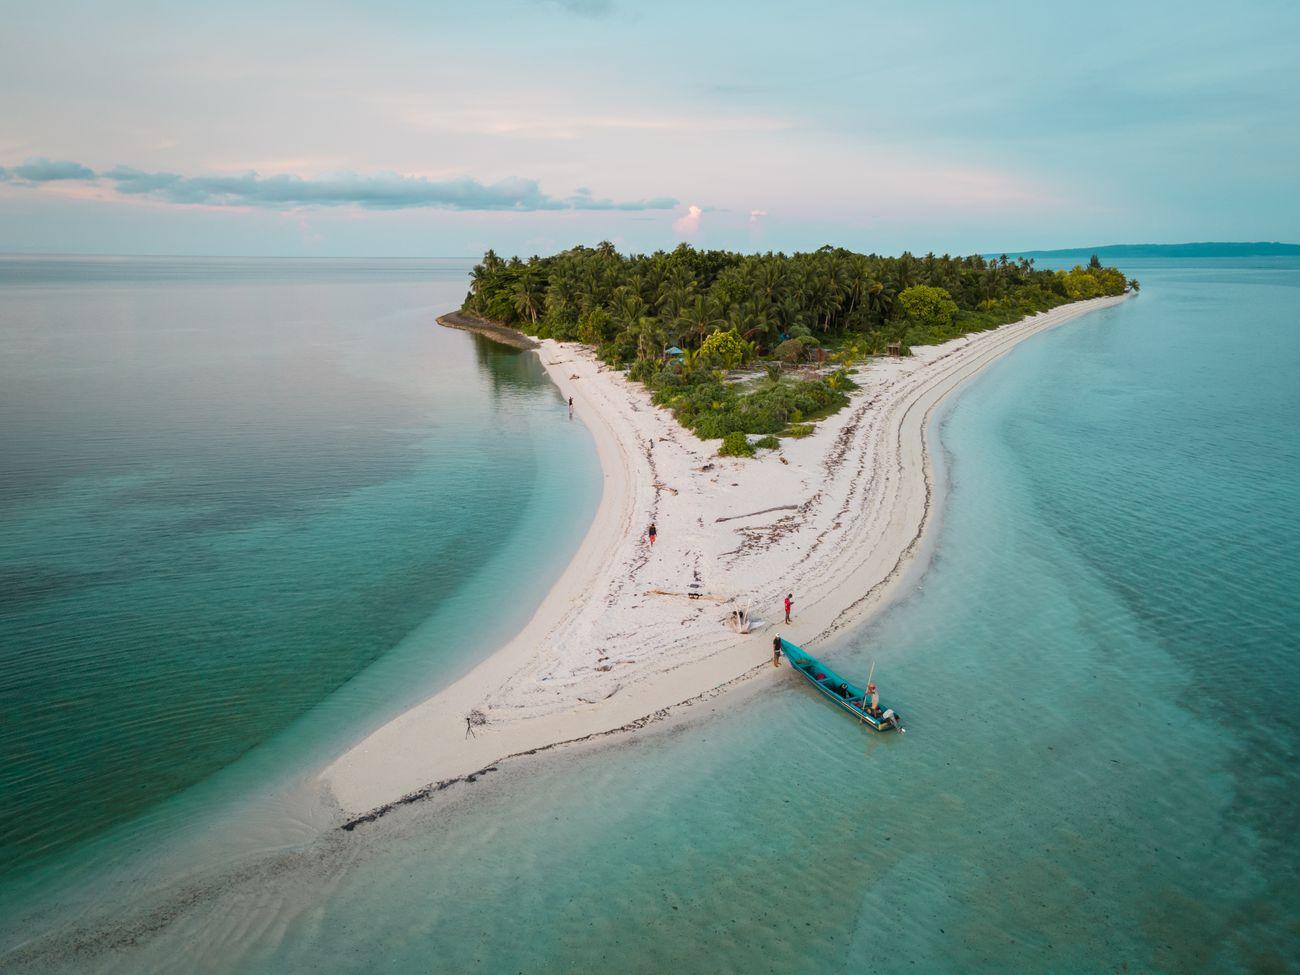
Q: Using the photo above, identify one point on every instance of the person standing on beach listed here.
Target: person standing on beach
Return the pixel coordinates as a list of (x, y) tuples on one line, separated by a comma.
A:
[(652, 532), (789, 605), (570, 407), (776, 651)]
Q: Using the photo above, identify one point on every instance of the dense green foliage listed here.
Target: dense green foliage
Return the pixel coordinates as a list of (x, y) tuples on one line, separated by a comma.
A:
[(726, 309), (735, 444), (927, 306), (727, 349)]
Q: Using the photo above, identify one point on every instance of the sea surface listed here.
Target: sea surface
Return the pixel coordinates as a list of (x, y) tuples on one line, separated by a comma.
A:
[(248, 509), (1098, 671)]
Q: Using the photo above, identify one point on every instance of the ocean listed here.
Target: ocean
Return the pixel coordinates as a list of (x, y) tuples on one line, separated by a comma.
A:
[(249, 509), (1097, 669)]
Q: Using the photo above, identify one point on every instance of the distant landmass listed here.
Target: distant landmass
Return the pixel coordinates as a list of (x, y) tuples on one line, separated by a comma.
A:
[(1203, 249)]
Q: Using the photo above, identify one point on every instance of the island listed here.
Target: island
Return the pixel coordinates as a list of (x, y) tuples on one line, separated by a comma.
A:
[(770, 415), (738, 345)]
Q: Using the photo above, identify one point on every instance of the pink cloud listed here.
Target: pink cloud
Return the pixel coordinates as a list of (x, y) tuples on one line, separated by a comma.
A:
[(688, 225)]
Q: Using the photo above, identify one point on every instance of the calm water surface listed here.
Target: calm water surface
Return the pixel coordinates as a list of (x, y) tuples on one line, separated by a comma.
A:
[(239, 495), (1098, 673)]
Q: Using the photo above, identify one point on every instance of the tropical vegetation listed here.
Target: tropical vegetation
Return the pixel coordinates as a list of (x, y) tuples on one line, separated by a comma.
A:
[(684, 321)]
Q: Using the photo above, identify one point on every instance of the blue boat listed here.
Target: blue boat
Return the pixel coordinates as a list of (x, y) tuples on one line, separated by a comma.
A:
[(851, 697)]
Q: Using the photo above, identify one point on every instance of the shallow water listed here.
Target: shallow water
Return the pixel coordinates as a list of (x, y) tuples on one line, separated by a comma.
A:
[(1097, 673), (245, 497)]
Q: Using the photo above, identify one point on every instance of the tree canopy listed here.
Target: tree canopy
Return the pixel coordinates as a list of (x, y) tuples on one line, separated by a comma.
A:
[(726, 308), (927, 306), (631, 306)]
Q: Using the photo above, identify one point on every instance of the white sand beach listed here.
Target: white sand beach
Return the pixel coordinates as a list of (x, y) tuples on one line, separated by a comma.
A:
[(834, 518)]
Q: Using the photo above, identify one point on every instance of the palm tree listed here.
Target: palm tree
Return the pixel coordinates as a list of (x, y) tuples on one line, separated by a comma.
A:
[(629, 308), (700, 319), (650, 339), (674, 297), (880, 302), (904, 272), (824, 296), (527, 297), (561, 297)]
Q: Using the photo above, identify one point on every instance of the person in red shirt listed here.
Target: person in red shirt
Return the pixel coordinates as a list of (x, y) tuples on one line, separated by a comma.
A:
[(789, 604)]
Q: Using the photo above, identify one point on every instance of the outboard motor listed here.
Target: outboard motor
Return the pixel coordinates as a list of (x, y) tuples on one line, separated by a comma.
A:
[(890, 719)]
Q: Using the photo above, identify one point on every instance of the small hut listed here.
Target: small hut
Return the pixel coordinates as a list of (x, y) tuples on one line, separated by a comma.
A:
[(672, 352), (894, 349)]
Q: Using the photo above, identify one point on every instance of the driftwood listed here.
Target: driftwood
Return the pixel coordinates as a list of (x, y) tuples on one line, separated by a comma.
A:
[(691, 595), (779, 507)]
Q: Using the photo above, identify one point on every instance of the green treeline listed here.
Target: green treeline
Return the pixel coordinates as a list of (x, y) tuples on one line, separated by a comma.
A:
[(831, 307)]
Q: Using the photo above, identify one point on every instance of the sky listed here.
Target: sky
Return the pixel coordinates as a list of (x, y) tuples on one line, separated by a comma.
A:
[(390, 128)]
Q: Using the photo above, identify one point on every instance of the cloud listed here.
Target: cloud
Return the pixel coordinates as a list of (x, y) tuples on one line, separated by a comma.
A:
[(756, 216), (42, 170), (383, 191), (380, 191), (689, 224)]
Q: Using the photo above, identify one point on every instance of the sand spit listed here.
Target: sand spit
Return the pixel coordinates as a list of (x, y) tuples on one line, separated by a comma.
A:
[(622, 638), (469, 322)]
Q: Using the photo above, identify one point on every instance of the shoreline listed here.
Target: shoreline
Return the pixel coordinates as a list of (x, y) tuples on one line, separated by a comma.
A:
[(469, 322), (836, 517)]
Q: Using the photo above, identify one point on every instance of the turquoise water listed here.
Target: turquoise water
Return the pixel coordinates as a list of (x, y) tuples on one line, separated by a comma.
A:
[(1098, 672), (240, 497)]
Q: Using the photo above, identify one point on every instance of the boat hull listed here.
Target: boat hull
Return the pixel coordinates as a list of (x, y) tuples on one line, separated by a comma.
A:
[(828, 684)]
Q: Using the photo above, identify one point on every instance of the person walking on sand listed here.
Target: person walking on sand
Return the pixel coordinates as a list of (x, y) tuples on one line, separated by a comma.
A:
[(776, 651), (789, 605), (652, 532)]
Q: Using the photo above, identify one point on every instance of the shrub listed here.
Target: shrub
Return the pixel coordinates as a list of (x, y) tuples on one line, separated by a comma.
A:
[(766, 443), (725, 348), (1079, 284), (735, 444), (799, 429), (644, 370), (928, 307), (596, 327), (560, 329), (791, 350)]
